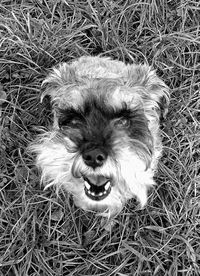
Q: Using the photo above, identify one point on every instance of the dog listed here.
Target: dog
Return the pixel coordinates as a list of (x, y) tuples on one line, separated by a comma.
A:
[(105, 142)]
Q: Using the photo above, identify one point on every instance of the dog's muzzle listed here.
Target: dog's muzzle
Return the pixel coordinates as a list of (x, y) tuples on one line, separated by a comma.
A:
[(97, 187)]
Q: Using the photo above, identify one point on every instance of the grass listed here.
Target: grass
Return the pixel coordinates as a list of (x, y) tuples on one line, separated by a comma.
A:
[(41, 234)]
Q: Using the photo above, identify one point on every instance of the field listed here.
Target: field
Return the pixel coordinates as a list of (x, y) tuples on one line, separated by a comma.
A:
[(45, 235)]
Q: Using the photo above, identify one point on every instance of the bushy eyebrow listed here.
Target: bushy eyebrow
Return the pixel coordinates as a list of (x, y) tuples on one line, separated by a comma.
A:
[(70, 111), (105, 109), (123, 113), (108, 112)]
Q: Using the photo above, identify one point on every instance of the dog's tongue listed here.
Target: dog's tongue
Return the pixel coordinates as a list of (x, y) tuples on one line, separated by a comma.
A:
[(97, 180)]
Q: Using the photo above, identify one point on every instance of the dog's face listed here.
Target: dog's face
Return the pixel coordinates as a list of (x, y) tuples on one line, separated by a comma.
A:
[(104, 144)]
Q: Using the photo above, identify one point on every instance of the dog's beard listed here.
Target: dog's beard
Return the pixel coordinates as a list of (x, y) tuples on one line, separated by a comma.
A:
[(124, 177)]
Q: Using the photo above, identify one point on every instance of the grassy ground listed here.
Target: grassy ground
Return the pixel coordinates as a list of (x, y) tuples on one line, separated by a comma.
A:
[(41, 234)]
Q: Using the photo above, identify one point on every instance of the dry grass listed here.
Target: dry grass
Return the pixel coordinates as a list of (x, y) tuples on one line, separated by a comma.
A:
[(37, 236)]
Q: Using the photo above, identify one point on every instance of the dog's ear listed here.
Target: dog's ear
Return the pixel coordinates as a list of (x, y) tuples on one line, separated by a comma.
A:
[(154, 92), (56, 83)]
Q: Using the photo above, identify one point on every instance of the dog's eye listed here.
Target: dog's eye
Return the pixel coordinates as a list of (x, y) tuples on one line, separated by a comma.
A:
[(70, 118), (123, 122), (70, 123), (74, 122)]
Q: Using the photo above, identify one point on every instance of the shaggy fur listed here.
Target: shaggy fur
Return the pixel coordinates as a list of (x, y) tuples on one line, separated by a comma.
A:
[(104, 145)]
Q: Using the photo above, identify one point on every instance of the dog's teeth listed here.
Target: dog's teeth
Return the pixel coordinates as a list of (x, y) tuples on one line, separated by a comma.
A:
[(87, 185), (107, 186), (100, 192)]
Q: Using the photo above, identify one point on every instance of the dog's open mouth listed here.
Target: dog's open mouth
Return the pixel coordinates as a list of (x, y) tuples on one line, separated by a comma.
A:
[(97, 187)]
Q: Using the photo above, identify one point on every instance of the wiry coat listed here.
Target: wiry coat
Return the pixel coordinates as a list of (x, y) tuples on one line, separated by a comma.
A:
[(106, 106)]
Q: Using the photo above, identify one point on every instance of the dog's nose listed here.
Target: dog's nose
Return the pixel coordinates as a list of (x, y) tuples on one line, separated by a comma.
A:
[(94, 158)]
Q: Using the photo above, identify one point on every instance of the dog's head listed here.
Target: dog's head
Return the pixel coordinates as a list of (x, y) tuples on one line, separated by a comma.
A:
[(104, 144)]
